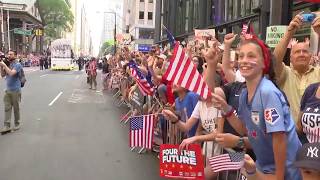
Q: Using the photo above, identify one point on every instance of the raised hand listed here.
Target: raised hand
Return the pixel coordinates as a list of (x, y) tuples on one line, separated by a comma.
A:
[(169, 115), (219, 102), (186, 142), (150, 61), (227, 140), (229, 38), (293, 42), (316, 25), (212, 54), (295, 23)]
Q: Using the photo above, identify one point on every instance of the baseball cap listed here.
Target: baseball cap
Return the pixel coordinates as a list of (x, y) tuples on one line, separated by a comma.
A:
[(308, 156), (162, 56)]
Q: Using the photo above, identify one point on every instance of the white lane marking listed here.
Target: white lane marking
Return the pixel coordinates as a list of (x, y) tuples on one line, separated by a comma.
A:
[(44, 75), (77, 76), (55, 99)]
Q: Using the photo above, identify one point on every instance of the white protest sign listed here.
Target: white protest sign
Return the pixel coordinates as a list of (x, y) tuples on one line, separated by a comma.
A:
[(202, 34), (274, 35)]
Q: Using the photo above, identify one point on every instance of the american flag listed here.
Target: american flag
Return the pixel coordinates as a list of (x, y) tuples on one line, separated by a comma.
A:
[(169, 35), (141, 131), (183, 72), (229, 161), (145, 86), (312, 133), (244, 29)]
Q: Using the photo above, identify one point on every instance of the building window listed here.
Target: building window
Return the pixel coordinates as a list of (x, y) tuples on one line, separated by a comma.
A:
[(196, 14), (141, 0), (150, 1), (145, 33), (187, 16), (243, 8), (141, 15), (248, 7), (150, 15)]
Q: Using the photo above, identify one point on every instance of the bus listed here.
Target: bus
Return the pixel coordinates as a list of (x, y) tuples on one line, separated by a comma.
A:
[(62, 55)]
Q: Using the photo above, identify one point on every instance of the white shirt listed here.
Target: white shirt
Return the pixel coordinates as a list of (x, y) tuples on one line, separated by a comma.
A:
[(207, 115), (239, 77)]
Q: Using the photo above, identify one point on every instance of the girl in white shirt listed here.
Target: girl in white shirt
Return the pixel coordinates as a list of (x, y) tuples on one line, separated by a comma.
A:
[(211, 122)]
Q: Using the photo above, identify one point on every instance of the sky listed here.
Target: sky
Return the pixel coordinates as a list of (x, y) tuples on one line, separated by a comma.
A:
[(94, 10)]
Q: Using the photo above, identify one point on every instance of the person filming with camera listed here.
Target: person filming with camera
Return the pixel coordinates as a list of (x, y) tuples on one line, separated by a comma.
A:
[(12, 97)]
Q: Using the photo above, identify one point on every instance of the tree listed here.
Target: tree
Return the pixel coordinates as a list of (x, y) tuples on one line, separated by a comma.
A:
[(56, 17), (106, 48)]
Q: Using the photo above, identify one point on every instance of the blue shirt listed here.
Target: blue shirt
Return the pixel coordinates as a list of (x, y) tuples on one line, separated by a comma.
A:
[(185, 108), (269, 112), (13, 82)]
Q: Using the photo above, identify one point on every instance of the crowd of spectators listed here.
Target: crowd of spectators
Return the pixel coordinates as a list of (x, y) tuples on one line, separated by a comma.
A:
[(258, 104)]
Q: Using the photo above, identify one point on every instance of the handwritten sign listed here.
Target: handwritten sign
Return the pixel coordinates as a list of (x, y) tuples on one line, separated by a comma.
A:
[(201, 35), (275, 34)]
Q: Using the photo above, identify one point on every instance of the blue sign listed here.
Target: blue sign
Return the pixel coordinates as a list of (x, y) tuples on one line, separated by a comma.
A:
[(144, 47)]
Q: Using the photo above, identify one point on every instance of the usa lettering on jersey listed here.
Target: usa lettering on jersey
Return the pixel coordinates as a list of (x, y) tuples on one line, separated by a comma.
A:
[(311, 124), (271, 115)]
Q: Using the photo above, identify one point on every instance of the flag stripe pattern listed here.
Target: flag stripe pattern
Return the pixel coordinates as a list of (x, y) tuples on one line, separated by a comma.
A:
[(313, 134), (141, 131), (145, 87), (182, 72), (244, 29), (229, 161)]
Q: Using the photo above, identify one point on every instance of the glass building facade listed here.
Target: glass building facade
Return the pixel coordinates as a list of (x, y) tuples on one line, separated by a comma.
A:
[(181, 17)]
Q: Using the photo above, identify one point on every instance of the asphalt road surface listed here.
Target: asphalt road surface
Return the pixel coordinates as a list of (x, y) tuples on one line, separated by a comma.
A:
[(69, 132)]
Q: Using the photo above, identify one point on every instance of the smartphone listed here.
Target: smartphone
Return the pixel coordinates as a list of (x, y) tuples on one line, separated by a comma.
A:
[(308, 17)]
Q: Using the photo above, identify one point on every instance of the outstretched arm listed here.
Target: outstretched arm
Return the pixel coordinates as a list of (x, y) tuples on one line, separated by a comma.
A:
[(281, 48), (227, 69), (183, 126), (7, 70), (279, 142), (211, 55)]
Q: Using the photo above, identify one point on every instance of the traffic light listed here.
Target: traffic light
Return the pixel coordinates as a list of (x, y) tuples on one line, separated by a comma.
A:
[(39, 32)]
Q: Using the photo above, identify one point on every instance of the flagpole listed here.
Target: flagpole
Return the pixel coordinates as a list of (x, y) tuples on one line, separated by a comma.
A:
[(158, 101), (146, 115)]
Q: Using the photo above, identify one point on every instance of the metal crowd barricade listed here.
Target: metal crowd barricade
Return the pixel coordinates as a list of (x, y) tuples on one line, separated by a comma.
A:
[(123, 87), (137, 104), (171, 133)]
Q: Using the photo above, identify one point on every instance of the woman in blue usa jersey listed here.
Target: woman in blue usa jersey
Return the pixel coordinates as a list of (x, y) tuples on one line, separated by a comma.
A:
[(263, 115)]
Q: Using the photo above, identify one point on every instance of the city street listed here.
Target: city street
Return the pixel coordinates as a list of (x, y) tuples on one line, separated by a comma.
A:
[(69, 132)]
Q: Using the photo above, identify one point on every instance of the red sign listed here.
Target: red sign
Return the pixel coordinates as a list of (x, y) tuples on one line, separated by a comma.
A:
[(187, 164)]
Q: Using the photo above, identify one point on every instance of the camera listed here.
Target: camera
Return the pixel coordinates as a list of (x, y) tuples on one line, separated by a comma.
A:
[(308, 17), (4, 59)]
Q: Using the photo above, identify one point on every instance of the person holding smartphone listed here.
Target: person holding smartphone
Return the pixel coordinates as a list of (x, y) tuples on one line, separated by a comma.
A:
[(294, 79)]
